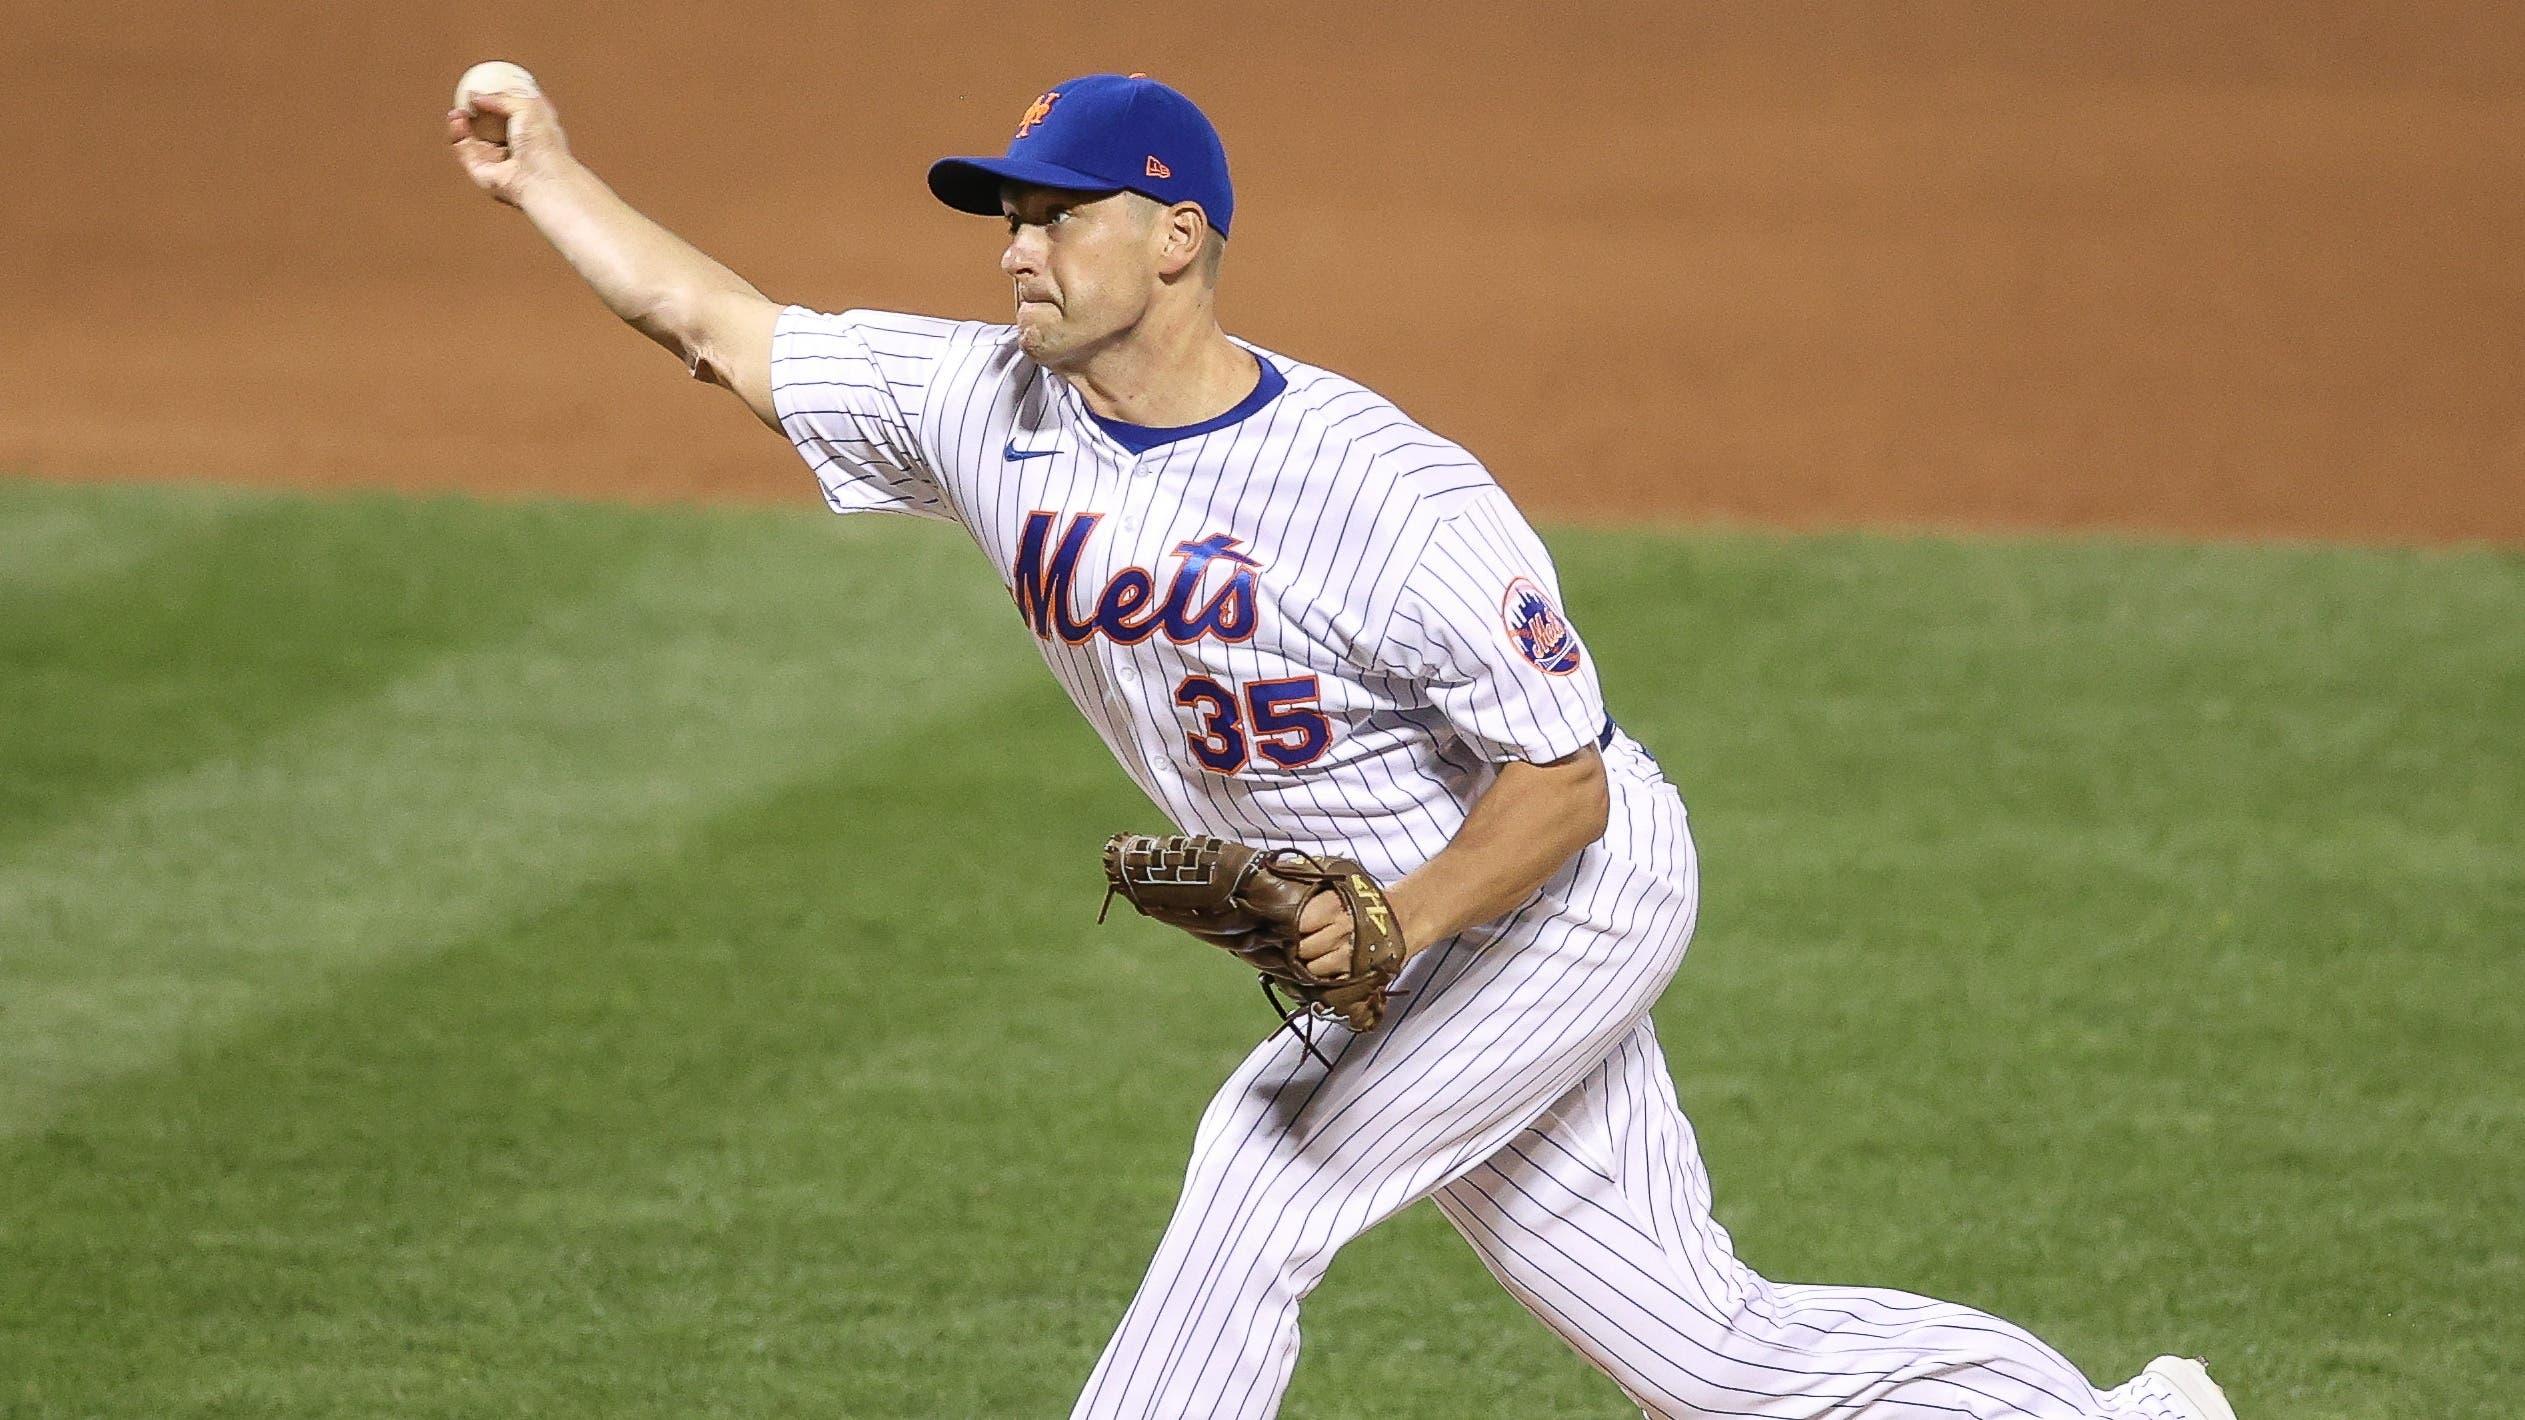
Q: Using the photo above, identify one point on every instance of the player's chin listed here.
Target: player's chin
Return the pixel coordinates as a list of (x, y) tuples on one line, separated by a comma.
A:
[(1040, 334)]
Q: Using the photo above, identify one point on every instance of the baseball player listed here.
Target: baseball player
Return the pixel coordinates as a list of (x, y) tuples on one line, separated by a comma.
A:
[(1302, 621)]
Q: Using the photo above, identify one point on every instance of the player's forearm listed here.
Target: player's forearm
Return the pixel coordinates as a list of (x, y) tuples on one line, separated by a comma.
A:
[(658, 282), (1533, 819)]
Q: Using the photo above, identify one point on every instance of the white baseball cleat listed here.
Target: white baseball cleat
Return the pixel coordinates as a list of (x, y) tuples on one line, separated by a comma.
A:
[(2190, 1380)]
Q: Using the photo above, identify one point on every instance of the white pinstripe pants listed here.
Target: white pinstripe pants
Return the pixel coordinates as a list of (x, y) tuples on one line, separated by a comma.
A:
[(1523, 1087)]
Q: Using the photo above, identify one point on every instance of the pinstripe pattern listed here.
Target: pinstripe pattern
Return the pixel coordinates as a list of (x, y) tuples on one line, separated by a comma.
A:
[(1385, 551), (1518, 1081), (1597, 1219)]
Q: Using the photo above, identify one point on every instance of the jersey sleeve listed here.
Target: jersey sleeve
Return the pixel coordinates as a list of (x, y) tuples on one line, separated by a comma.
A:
[(1478, 626), (849, 390)]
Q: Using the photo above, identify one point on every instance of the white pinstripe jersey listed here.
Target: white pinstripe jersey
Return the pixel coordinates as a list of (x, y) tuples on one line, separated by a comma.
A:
[(1316, 625)]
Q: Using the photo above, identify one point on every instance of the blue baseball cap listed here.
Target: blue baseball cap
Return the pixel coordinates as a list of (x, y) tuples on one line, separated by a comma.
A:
[(1102, 133)]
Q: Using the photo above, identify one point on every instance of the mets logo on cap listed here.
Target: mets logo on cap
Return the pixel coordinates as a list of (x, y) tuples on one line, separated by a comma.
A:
[(1541, 635), (1037, 111)]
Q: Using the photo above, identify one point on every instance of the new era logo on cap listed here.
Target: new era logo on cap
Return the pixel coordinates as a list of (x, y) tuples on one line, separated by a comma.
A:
[(1111, 130)]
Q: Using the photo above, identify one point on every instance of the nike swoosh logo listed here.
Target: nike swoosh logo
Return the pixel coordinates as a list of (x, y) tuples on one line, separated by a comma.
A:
[(1015, 453)]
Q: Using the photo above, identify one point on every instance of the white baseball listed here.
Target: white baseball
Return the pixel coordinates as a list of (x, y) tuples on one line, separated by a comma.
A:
[(492, 76)]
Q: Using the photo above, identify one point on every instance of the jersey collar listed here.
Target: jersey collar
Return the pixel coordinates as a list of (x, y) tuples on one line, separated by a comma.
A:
[(1137, 439)]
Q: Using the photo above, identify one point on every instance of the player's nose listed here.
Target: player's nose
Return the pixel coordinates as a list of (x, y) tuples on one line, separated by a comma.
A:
[(1023, 256)]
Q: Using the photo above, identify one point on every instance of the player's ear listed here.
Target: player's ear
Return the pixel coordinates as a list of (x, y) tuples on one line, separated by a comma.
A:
[(1184, 231)]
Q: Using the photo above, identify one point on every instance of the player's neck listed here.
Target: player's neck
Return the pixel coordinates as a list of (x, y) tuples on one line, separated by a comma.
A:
[(1167, 374)]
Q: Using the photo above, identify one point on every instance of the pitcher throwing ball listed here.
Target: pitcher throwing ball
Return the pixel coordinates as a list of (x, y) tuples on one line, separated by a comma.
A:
[(1310, 628)]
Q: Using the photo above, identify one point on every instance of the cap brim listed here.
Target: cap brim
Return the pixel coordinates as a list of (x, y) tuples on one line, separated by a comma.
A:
[(972, 184)]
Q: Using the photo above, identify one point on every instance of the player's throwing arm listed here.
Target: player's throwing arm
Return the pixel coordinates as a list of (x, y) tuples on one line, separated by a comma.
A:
[(509, 142)]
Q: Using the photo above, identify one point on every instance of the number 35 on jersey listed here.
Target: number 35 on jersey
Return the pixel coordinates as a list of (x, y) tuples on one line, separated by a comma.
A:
[(1274, 720)]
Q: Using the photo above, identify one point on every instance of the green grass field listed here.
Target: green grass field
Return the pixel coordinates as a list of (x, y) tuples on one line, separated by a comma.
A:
[(466, 960)]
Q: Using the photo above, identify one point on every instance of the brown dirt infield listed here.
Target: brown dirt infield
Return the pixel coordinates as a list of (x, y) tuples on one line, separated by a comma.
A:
[(2248, 267)]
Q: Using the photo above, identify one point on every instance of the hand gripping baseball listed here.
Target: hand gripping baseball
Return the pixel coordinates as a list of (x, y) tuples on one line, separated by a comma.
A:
[(533, 142), (1252, 902)]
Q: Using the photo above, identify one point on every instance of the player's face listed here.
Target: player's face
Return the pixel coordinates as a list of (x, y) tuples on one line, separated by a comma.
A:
[(1083, 266)]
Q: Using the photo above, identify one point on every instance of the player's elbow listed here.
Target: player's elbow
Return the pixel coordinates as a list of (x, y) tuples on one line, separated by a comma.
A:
[(724, 337), (678, 319), (707, 329)]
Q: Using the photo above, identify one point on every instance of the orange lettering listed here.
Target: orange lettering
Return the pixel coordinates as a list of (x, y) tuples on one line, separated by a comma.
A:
[(1158, 169), (1037, 112)]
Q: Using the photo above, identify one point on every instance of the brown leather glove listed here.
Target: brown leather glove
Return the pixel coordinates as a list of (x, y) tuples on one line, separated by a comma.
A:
[(1248, 902)]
